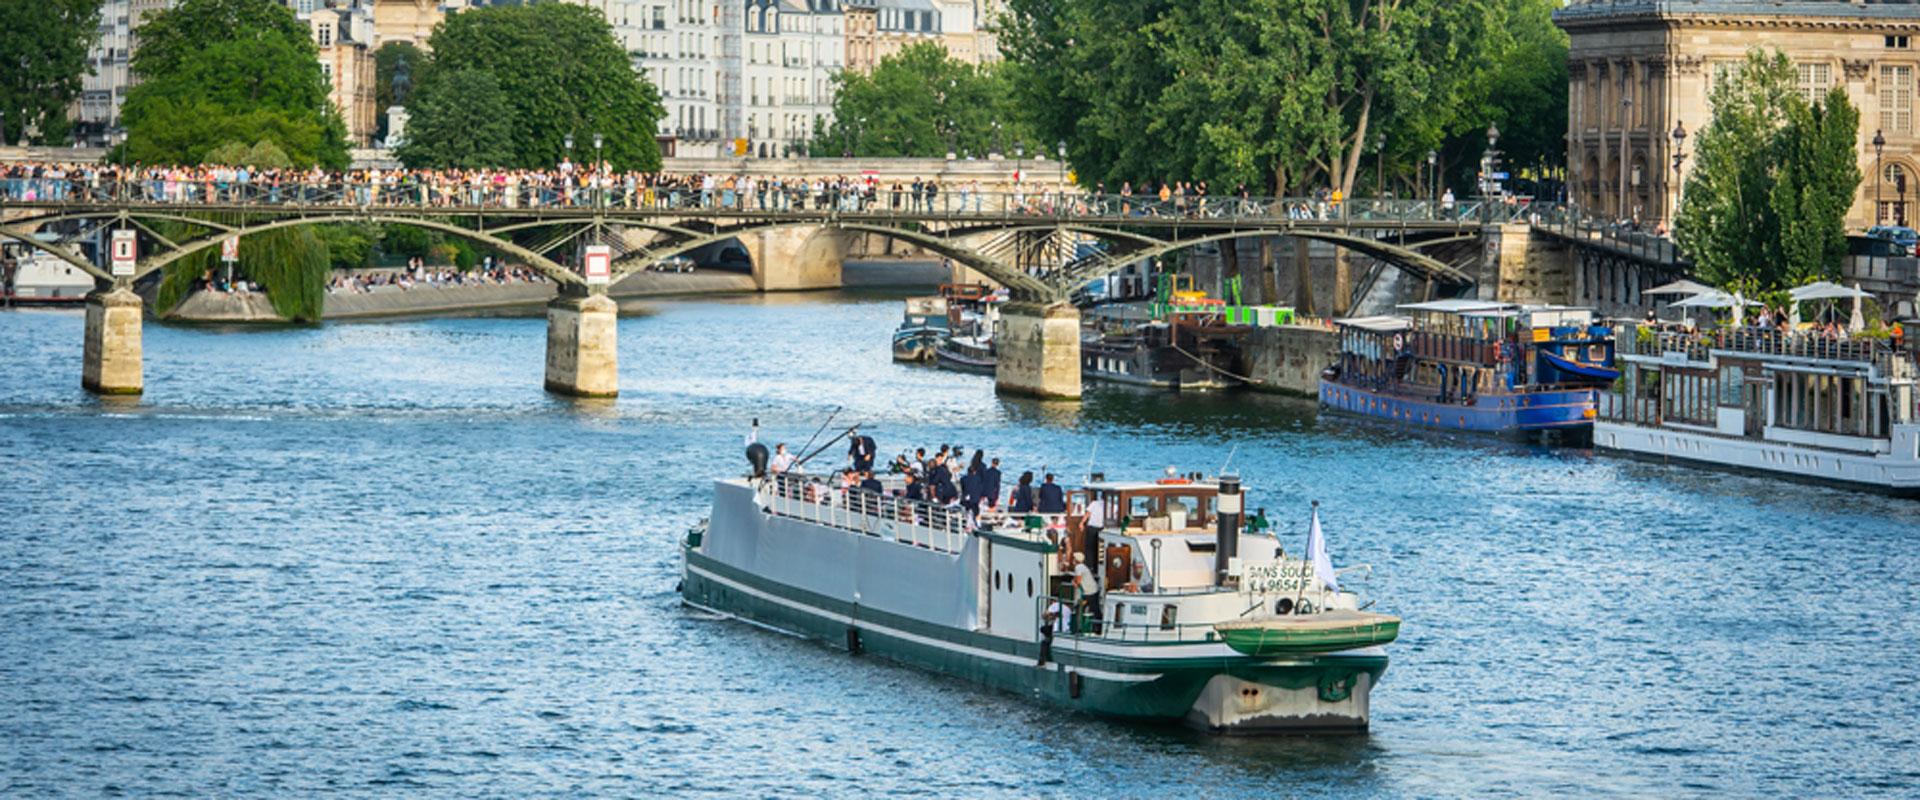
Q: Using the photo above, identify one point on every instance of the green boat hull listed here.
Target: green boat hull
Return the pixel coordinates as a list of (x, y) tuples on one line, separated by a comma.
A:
[(1140, 687), (1274, 642)]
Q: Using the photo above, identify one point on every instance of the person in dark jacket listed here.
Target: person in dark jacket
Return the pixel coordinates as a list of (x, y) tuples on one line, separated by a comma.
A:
[(1053, 500), (990, 484), (1022, 495), (970, 490), (862, 452), (870, 483), (914, 490)]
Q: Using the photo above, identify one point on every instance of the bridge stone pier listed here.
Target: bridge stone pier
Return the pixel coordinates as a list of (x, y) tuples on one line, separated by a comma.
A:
[(112, 354), (1039, 350), (583, 344)]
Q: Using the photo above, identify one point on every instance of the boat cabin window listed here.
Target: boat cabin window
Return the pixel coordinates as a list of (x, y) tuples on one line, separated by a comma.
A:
[(1169, 510)]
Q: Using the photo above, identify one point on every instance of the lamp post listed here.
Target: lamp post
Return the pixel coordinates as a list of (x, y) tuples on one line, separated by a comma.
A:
[(568, 143), (1433, 181), (1488, 164), (1019, 157), (1060, 150), (1879, 144), (1380, 166), (1679, 155), (599, 179)]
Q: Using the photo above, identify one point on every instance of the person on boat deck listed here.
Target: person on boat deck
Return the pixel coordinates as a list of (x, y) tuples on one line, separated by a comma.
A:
[(970, 490), (1259, 524), (862, 453), (1052, 499), (1139, 584), (1022, 502), (1096, 521), (990, 482), (870, 483), (782, 460), (914, 490), (919, 462)]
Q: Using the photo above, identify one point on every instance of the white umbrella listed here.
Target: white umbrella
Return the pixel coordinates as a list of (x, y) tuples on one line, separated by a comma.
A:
[(1859, 321), (1714, 300), (1824, 290), (1682, 286)]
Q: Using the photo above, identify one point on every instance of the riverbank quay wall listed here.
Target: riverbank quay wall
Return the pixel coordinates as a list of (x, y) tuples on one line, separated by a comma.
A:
[(1288, 359)]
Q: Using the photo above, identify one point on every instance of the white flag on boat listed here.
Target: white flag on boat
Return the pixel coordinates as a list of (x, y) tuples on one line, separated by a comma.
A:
[(1317, 553)]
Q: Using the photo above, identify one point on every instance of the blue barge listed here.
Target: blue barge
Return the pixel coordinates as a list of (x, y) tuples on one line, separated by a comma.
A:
[(1474, 365)]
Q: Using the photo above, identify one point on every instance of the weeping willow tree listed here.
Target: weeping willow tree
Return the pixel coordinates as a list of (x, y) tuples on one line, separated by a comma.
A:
[(291, 263)]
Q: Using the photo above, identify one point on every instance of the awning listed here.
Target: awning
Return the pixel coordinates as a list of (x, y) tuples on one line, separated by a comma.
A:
[(1456, 306), (1377, 324), (1713, 300)]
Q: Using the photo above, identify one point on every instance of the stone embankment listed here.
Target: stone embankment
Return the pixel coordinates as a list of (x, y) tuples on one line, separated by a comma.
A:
[(1288, 359), (393, 301)]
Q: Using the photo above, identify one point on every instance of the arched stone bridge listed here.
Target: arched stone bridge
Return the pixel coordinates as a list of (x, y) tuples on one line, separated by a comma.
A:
[(548, 232)]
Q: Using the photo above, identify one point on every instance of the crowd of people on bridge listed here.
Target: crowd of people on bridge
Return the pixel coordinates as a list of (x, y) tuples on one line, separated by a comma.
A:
[(571, 185)]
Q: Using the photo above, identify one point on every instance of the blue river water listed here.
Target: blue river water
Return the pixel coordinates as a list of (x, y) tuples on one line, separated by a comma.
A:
[(377, 559)]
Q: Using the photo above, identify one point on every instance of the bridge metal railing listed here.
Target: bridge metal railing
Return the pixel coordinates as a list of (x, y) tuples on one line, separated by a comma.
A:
[(1623, 237), (501, 193)]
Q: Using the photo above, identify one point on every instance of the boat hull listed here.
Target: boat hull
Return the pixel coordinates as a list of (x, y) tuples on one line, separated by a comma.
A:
[(1870, 471), (917, 345), (947, 358), (1329, 693), (1564, 412)]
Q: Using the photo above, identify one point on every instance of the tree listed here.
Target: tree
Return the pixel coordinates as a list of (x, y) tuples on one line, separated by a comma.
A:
[(394, 58), (923, 103), (562, 73), (48, 40), (1280, 94), (462, 122), (1765, 205), (216, 72)]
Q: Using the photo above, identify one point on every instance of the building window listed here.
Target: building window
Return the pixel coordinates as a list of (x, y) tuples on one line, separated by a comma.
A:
[(1896, 99), (1815, 80), (324, 35), (1898, 42)]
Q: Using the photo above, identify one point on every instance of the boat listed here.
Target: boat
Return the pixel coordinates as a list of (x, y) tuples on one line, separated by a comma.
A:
[(1474, 365), (970, 353), (1182, 340), (1793, 404), (1201, 622), (921, 330), (30, 277)]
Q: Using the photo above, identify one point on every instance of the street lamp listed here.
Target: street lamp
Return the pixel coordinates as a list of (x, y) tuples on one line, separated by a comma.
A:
[(1487, 164), (1879, 143), (569, 145), (1433, 175), (1061, 150), (1380, 166), (1019, 156), (1679, 155), (599, 180), (1626, 116)]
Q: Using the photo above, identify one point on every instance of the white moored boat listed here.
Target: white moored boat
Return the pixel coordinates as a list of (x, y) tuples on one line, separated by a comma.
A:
[(1200, 622), (1796, 405)]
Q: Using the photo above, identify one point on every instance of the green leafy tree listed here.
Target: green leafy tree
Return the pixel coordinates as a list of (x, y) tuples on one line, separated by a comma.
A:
[(1765, 205), (923, 103), (1817, 180), (216, 72), (1279, 94), (463, 121), (561, 72), (43, 47)]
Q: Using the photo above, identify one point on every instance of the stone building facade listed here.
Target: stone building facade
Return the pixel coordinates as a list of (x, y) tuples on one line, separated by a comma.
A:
[(1641, 69)]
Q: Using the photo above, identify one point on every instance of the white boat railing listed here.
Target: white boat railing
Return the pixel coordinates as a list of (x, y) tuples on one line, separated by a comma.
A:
[(817, 500)]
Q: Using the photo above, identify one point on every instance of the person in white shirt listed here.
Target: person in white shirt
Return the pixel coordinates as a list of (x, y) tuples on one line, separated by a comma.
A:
[(782, 460)]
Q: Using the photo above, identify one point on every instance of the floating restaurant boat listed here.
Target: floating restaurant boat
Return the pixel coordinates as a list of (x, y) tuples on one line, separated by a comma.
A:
[(1200, 621), (1474, 365), (1803, 406)]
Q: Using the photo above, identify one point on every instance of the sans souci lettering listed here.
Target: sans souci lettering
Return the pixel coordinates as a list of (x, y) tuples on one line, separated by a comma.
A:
[(1276, 577)]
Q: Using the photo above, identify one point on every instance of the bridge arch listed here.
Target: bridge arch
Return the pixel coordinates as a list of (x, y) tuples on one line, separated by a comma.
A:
[(1402, 257), (544, 265)]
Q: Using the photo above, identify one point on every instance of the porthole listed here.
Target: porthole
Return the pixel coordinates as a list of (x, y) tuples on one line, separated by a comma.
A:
[(1029, 587), (996, 580)]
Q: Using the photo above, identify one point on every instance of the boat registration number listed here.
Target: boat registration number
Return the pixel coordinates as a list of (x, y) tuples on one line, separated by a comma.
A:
[(1275, 577)]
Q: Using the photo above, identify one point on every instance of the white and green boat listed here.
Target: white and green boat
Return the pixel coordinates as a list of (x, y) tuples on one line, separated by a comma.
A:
[(1199, 622)]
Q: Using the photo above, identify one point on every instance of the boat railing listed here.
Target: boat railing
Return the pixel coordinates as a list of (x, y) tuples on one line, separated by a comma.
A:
[(1697, 346), (916, 522)]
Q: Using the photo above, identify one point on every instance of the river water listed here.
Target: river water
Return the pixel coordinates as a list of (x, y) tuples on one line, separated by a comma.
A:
[(377, 558)]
